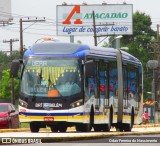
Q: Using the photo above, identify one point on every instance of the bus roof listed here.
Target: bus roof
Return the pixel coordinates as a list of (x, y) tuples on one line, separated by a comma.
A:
[(71, 49), (55, 48)]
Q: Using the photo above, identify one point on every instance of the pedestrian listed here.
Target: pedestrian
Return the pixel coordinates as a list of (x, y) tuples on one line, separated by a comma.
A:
[(145, 117)]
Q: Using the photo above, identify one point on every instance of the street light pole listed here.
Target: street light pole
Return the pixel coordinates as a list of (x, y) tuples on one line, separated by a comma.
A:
[(153, 64), (118, 41), (153, 96)]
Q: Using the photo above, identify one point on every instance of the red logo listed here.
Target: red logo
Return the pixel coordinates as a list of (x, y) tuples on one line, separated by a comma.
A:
[(22, 110), (48, 119), (76, 9)]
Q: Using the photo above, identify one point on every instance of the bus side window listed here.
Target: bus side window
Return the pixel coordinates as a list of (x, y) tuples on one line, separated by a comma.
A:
[(103, 79), (125, 83), (132, 82), (113, 79)]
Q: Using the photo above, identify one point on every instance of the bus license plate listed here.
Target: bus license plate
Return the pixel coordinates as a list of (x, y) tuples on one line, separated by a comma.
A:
[(48, 119)]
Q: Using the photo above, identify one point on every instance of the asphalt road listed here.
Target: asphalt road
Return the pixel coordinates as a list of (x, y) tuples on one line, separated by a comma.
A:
[(76, 139), (136, 140)]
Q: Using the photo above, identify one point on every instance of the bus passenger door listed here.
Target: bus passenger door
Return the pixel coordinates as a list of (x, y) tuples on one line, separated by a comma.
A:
[(103, 86), (125, 87), (90, 81)]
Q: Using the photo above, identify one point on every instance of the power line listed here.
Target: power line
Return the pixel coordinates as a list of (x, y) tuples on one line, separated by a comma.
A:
[(21, 31)]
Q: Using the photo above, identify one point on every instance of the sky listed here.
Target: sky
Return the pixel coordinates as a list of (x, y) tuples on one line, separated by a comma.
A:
[(47, 8)]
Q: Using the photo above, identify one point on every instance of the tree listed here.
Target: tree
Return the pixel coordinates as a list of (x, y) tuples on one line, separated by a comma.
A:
[(4, 92), (5, 88), (5, 81), (139, 44), (4, 61)]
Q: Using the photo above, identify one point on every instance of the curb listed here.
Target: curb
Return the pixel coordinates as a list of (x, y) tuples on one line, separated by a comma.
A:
[(70, 128), (93, 136), (81, 136), (147, 125)]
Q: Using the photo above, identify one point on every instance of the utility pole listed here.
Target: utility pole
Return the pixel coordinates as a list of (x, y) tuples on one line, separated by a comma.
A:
[(21, 39), (156, 105), (157, 32), (12, 79), (21, 31), (11, 42), (94, 29)]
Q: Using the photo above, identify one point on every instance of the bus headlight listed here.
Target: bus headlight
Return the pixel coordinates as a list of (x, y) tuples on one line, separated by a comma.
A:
[(23, 103), (77, 103)]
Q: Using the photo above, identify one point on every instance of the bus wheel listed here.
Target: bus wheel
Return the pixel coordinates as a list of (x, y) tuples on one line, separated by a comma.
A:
[(86, 127), (79, 127), (97, 127), (63, 128), (119, 127), (83, 128), (107, 127), (128, 127), (34, 127), (54, 128)]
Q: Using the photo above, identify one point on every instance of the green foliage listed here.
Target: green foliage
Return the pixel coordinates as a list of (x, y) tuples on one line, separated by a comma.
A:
[(5, 81), (5, 88), (4, 92), (139, 44)]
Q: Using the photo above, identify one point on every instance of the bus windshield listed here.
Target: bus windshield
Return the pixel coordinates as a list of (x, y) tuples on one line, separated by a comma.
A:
[(48, 77)]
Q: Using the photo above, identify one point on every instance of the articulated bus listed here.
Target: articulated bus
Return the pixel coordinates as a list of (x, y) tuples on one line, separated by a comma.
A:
[(66, 84)]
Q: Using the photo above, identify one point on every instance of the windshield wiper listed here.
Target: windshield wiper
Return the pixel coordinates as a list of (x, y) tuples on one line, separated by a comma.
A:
[(40, 76), (34, 97)]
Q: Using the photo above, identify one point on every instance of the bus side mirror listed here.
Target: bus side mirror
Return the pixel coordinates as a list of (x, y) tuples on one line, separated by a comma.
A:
[(14, 68)]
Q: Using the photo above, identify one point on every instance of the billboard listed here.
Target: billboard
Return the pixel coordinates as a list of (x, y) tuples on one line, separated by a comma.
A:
[(110, 19), (5, 11)]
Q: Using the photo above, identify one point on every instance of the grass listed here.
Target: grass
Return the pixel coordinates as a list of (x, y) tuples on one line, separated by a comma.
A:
[(24, 125)]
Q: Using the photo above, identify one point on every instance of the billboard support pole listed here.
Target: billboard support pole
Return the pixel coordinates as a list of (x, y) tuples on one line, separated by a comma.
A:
[(94, 28), (71, 38)]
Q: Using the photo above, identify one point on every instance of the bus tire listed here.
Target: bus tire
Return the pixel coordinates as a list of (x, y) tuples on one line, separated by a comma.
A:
[(98, 127), (79, 128), (119, 127), (62, 128), (87, 127), (110, 120), (83, 127), (34, 127), (107, 127), (128, 127), (54, 128)]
